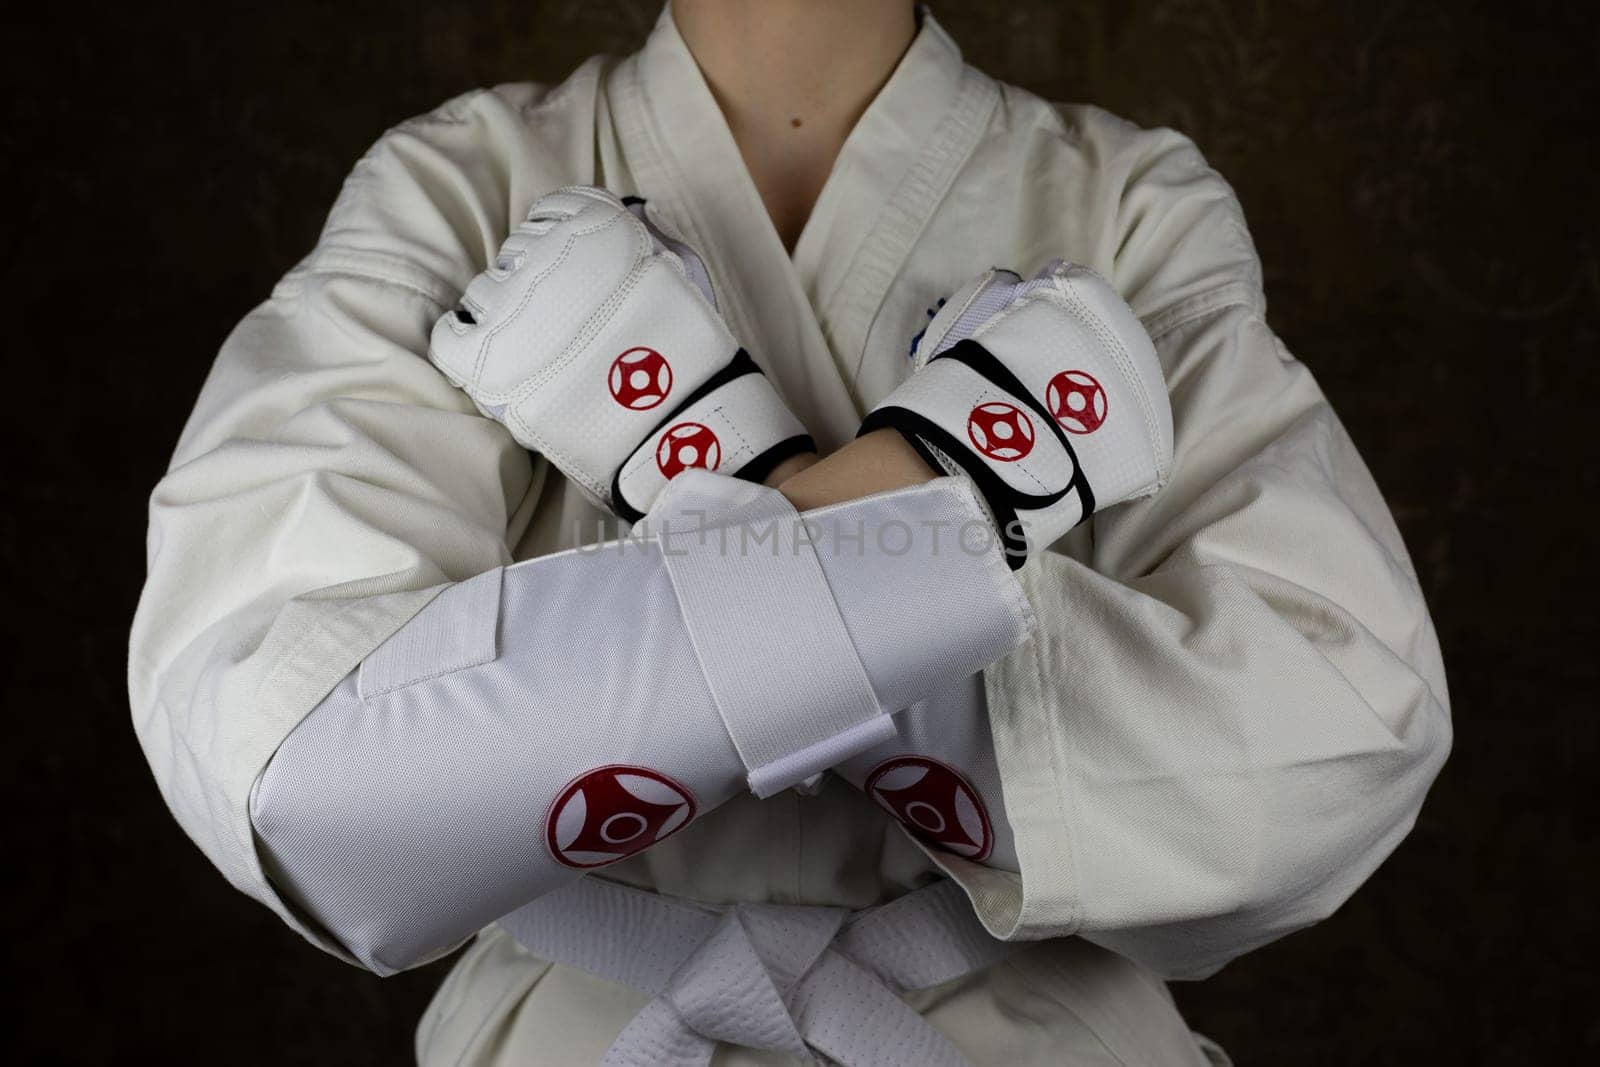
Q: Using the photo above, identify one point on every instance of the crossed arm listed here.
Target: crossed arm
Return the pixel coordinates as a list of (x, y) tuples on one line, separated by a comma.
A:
[(873, 463), (431, 792), (1274, 744), (841, 644)]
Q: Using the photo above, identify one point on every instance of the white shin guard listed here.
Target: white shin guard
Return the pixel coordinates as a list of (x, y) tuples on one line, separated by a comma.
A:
[(552, 717)]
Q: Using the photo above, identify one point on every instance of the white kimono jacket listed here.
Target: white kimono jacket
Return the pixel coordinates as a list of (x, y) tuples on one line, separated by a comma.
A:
[(1233, 705)]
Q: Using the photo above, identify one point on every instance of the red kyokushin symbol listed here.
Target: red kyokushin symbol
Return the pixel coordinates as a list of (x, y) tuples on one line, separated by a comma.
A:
[(935, 802), (686, 445), (615, 811), (640, 378), (1000, 431), (1077, 401)]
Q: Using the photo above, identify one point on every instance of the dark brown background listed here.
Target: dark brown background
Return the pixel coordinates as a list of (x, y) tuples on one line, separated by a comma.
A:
[(1420, 179)]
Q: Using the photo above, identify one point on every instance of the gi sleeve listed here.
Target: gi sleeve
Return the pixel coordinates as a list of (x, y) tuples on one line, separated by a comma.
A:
[(328, 484), (1234, 703)]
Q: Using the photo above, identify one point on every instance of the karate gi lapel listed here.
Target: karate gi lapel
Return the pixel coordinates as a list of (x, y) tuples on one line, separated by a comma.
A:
[(889, 180), (804, 319)]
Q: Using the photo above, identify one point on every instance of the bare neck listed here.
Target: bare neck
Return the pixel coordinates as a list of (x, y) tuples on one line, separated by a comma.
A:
[(792, 77)]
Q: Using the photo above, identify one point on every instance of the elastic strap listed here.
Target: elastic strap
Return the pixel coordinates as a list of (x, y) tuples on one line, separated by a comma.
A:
[(786, 678)]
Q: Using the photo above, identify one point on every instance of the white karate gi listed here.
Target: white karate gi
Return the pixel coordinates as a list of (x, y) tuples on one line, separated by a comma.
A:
[(1234, 702)]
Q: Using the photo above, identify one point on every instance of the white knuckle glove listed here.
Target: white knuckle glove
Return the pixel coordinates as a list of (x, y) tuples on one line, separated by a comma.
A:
[(1047, 393), (595, 339)]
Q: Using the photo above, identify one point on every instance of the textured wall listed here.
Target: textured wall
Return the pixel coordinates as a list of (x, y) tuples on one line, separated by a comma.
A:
[(1419, 177)]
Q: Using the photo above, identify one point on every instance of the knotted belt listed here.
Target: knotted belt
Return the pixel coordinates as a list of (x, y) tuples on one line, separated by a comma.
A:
[(790, 978)]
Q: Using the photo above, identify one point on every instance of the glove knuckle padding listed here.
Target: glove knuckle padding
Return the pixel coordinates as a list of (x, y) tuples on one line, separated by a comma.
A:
[(591, 341), (567, 410), (494, 355), (542, 311), (951, 313), (1099, 309), (588, 289), (1126, 455), (571, 201)]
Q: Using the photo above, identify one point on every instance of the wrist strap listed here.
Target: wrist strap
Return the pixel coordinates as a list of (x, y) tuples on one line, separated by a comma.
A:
[(941, 412), (734, 424)]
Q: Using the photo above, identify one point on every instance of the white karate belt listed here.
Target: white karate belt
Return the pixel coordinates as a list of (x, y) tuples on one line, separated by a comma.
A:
[(792, 978)]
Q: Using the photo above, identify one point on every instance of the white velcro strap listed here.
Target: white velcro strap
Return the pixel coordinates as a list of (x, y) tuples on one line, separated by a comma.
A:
[(725, 430), (966, 423), (787, 680), (1080, 352), (999, 428)]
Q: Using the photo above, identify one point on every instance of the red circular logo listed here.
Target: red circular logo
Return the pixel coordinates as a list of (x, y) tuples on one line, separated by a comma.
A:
[(934, 802), (1077, 401), (1000, 431), (686, 445), (613, 812), (640, 378)]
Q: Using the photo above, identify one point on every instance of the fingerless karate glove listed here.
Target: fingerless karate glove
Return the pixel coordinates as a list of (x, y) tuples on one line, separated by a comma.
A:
[(1047, 393), (595, 338)]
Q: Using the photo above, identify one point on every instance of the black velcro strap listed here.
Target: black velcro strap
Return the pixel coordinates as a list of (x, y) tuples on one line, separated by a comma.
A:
[(1003, 500), (920, 431), (765, 463), (987, 364)]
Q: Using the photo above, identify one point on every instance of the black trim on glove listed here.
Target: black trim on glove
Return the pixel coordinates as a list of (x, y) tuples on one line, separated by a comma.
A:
[(754, 471), (764, 464), (1003, 500)]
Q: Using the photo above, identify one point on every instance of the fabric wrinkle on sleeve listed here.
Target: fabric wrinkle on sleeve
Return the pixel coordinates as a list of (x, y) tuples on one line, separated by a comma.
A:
[(1231, 713)]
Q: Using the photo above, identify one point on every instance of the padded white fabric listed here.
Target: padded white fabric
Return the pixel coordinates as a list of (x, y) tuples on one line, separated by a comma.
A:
[(694, 268), (1047, 392), (589, 331), (574, 287), (405, 820), (973, 305), (752, 592), (948, 391), (737, 424), (462, 635), (943, 757)]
